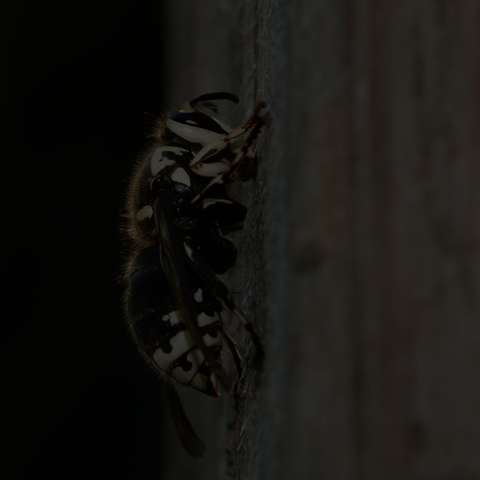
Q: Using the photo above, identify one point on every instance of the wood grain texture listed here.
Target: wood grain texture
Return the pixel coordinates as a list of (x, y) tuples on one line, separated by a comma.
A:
[(360, 256)]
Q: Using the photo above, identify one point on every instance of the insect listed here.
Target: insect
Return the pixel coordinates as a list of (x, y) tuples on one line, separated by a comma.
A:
[(178, 213)]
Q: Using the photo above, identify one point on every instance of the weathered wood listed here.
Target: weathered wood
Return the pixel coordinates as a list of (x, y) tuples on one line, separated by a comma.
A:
[(360, 256)]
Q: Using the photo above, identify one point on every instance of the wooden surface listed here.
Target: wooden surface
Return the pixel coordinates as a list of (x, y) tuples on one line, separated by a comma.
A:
[(359, 260), (360, 257)]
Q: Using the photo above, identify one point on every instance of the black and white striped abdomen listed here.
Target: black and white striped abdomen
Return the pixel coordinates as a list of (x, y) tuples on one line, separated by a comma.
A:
[(159, 331)]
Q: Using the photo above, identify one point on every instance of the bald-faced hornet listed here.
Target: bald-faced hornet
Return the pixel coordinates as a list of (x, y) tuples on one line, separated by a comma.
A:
[(178, 210)]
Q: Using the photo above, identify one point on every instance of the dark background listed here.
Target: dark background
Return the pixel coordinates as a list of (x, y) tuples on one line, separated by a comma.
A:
[(81, 84)]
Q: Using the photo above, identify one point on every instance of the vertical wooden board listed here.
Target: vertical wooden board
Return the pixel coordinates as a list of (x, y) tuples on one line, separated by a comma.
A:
[(418, 413), (359, 257), (320, 409), (447, 400)]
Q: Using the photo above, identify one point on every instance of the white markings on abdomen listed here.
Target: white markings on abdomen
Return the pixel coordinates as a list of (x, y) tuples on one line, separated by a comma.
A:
[(203, 319), (182, 343), (198, 295), (144, 212), (172, 318), (159, 161), (181, 176)]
